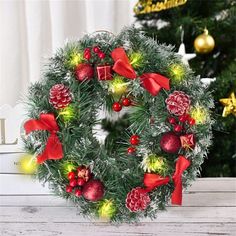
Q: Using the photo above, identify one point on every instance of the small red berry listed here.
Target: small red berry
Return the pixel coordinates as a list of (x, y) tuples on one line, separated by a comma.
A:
[(96, 49), (134, 140), (69, 189), (73, 182), (71, 175), (178, 128), (131, 150), (171, 120), (81, 181), (101, 55), (78, 192), (116, 107), (182, 118), (87, 56), (86, 50), (126, 102), (191, 121)]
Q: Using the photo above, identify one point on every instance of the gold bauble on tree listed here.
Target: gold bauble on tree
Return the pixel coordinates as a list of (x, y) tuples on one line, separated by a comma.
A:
[(204, 43)]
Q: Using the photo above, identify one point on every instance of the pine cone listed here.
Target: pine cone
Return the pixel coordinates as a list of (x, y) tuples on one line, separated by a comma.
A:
[(137, 199), (60, 96), (178, 103)]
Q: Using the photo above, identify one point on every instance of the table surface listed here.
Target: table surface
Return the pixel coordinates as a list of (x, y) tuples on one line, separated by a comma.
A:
[(209, 208)]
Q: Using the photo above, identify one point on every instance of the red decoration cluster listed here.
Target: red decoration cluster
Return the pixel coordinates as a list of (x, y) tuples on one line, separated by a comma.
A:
[(134, 140), (180, 123), (96, 50), (137, 199), (77, 179), (82, 183), (60, 96), (117, 106), (178, 103)]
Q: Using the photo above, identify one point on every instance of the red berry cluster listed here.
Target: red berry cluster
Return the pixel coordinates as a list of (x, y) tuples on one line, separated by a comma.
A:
[(96, 50), (134, 140), (77, 179), (182, 120), (117, 106)]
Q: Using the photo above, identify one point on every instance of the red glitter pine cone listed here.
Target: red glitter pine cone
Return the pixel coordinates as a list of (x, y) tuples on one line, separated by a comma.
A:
[(60, 96), (178, 103), (137, 199)]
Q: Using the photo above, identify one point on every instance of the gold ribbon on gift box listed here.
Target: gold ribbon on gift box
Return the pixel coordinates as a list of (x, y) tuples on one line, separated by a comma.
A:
[(144, 7)]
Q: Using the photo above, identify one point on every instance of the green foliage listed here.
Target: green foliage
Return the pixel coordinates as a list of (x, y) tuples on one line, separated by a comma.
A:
[(110, 162), (219, 17)]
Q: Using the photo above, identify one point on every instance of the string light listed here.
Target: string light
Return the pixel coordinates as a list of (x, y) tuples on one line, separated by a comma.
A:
[(106, 209), (177, 72), (117, 86), (136, 59), (68, 113), (199, 114), (27, 164), (75, 59), (154, 163)]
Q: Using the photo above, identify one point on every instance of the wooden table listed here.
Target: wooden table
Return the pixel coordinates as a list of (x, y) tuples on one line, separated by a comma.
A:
[(209, 208)]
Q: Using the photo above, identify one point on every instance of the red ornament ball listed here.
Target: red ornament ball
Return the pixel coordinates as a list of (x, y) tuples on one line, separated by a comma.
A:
[(96, 49), (171, 120), (78, 193), (178, 103), (182, 118), (170, 142), (137, 200), (131, 150), (87, 54), (73, 183), (178, 128), (101, 55), (93, 190), (69, 189), (134, 140), (84, 71), (71, 175), (116, 107), (81, 181), (126, 102), (60, 96), (191, 121)]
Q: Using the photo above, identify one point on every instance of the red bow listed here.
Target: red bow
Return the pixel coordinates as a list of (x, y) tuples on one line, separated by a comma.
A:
[(53, 149), (152, 82), (152, 181)]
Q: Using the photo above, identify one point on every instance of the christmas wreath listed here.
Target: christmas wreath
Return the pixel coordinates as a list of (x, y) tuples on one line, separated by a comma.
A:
[(154, 157)]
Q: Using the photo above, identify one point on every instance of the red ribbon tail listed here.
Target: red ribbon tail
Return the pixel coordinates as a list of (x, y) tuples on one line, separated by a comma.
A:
[(54, 147), (181, 165), (176, 198)]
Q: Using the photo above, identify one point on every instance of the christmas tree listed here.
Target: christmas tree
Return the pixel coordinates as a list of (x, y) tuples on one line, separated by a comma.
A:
[(176, 22)]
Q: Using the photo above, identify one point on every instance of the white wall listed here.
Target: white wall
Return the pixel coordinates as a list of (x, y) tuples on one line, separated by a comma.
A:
[(32, 29)]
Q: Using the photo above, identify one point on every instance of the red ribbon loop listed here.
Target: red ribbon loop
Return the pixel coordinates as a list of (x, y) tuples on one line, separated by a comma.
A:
[(122, 65), (181, 165), (153, 82), (152, 181), (53, 149)]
